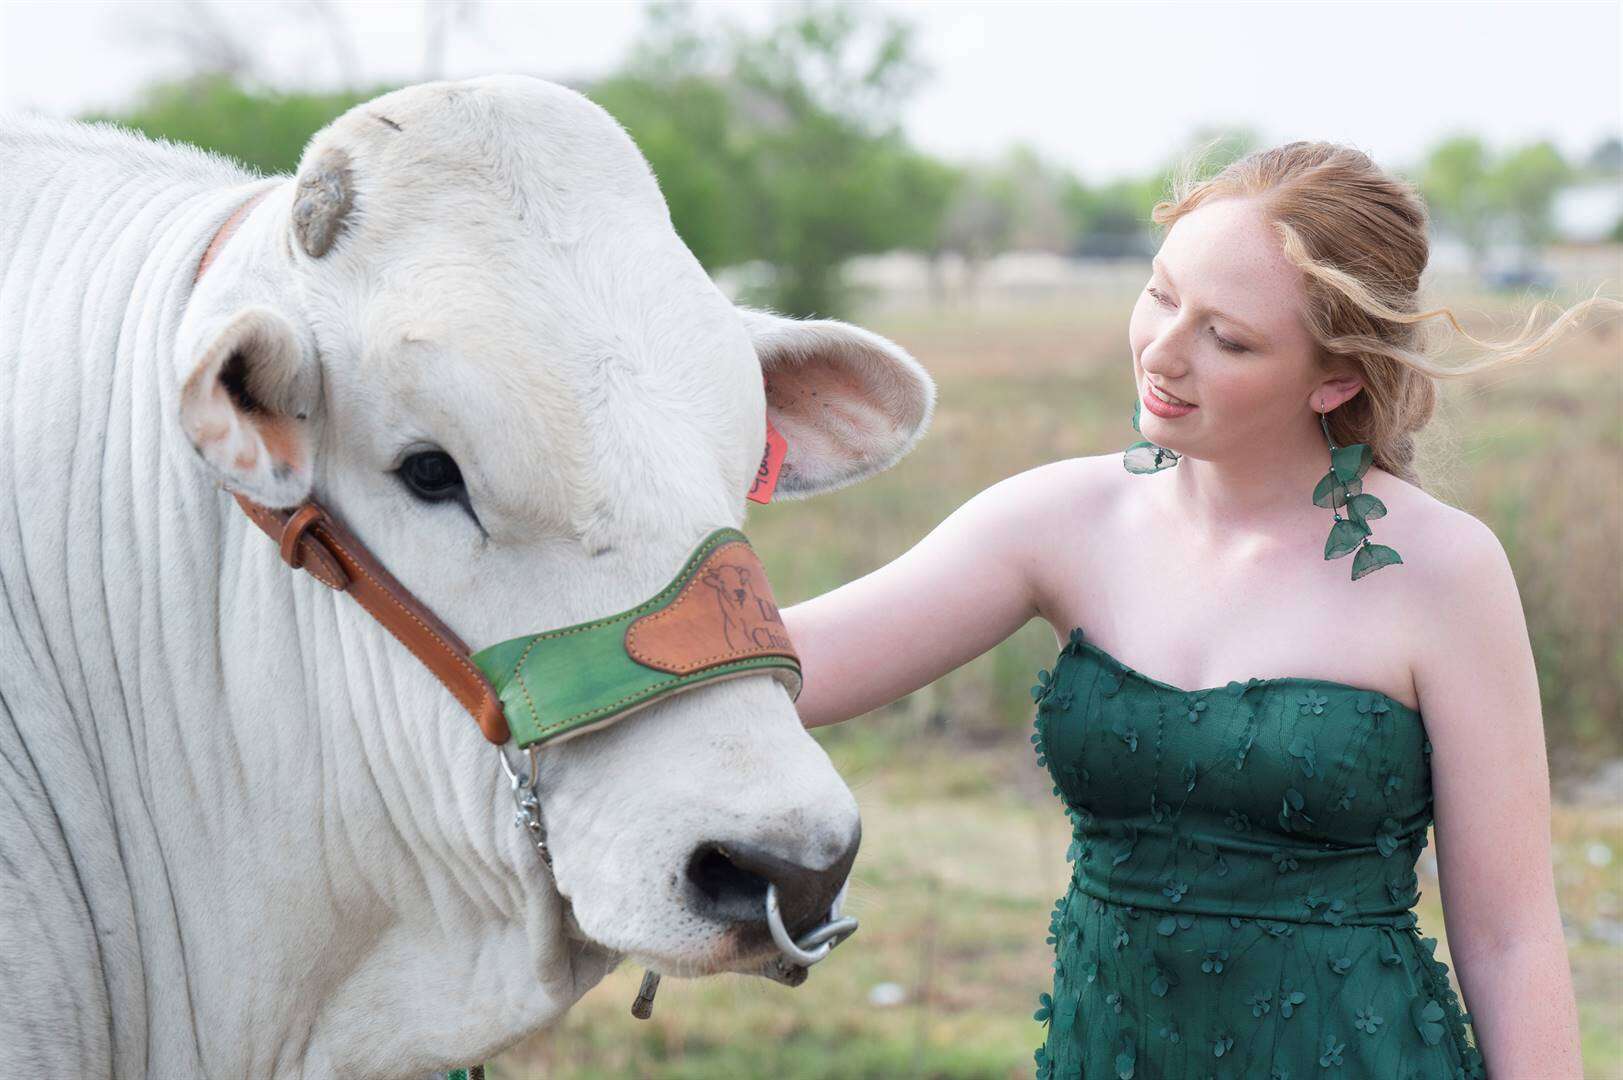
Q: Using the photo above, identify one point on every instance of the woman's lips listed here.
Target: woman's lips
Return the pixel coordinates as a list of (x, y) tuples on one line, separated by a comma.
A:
[(1161, 408)]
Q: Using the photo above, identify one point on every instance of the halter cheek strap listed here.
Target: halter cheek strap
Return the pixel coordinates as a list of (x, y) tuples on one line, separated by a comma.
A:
[(716, 620), (311, 539)]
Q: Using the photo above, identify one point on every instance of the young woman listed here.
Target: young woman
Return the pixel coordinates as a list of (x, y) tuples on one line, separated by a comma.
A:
[(1235, 718)]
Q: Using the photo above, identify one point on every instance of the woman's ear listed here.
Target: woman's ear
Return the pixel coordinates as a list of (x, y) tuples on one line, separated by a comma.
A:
[(1333, 391), (848, 402), (246, 408)]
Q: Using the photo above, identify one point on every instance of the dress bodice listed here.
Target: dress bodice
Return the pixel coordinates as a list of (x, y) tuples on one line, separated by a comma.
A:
[(1219, 836)]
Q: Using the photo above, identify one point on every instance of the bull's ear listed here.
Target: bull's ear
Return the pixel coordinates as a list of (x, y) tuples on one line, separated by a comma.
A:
[(848, 402), (247, 404)]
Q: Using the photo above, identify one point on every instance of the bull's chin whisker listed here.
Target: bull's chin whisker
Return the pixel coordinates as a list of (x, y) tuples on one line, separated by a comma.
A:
[(725, 960), (686, 969)]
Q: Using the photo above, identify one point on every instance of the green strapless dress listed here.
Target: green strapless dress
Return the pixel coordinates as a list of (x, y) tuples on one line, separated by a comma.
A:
[(1243, 880)]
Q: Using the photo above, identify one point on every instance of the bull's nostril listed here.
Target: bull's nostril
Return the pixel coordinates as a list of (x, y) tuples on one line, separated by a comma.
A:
[(725, 884), (731, 878)]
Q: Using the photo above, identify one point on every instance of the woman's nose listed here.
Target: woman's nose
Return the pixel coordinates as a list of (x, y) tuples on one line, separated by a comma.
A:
[(1165, 357)]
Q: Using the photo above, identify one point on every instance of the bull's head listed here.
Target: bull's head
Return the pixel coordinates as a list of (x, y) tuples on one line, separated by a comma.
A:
[(468, 327)]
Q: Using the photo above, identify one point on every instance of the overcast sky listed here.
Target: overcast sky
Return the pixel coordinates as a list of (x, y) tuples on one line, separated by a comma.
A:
[(1107, 89)]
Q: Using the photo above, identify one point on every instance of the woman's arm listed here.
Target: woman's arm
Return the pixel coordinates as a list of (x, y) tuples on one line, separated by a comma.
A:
[(1491, 785), (955, 594)]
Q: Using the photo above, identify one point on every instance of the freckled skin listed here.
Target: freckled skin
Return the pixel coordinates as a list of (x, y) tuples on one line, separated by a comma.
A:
[(1223, 256)]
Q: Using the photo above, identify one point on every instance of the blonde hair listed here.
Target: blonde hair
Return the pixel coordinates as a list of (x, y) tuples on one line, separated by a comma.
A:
[(1360, 238)]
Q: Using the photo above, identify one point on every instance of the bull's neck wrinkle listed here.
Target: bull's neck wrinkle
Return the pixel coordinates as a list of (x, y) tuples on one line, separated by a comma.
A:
[(1283, 680)]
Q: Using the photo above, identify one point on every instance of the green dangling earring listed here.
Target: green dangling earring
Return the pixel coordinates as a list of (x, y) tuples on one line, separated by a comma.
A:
[(1144, 457), (1343, 486)]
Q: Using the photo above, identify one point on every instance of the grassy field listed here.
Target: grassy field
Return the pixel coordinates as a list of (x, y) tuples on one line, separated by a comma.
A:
[(963, 842)]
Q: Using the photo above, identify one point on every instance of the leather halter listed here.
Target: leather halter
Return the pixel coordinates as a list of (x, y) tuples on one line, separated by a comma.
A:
[(313, 540), (668, 635)]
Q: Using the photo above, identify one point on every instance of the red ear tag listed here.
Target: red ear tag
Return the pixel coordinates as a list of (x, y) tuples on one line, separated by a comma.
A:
[(766, 477)]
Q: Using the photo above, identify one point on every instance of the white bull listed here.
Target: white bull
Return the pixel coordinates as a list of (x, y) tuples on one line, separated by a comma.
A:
[(243, 832)]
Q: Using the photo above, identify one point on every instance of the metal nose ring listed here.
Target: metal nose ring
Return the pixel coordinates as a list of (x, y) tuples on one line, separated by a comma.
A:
[(817, 942)]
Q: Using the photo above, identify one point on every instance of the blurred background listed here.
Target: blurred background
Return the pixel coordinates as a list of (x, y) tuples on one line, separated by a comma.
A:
[(975, 181)]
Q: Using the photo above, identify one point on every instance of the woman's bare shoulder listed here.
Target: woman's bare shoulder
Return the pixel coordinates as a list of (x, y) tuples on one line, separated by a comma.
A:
[(1436, 533), (1449, 555), (1053, 517)]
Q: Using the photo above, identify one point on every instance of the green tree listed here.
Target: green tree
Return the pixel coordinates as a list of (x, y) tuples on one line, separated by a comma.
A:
[(264, 129), (670, 95), (1454, 179), (1605, 158), (1525, 184), (685, 127), (1113, 219), (1210, 148), (1019, 200), (783, 145), (980, 217), (835, 177)]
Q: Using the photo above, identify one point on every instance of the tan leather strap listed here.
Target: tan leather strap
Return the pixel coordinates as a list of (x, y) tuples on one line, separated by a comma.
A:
[(313, 540), (225, 231)]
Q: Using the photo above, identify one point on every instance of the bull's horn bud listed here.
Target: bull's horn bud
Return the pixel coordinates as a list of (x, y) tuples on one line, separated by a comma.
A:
[(322, 202)]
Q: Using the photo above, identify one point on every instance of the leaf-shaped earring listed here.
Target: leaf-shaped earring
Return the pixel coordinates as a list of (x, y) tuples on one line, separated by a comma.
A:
[(1343, 486), (1364, 506), (1372, 557), (1345, 536), (1145, 457)]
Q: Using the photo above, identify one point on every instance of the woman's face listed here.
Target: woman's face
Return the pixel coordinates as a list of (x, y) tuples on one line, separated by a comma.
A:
[(1219, 326)]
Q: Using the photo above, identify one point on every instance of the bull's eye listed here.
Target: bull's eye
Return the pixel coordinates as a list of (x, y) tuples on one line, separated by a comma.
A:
[(432, 476)]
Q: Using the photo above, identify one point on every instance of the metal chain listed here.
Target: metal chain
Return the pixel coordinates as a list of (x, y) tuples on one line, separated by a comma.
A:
[(527, 803)]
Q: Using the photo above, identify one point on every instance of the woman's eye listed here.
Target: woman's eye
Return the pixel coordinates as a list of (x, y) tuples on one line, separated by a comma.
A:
[(1222, 343), (431, 476)]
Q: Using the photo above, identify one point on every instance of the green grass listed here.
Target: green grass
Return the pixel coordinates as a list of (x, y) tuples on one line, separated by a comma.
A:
[(954, 887), (963, 842)]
